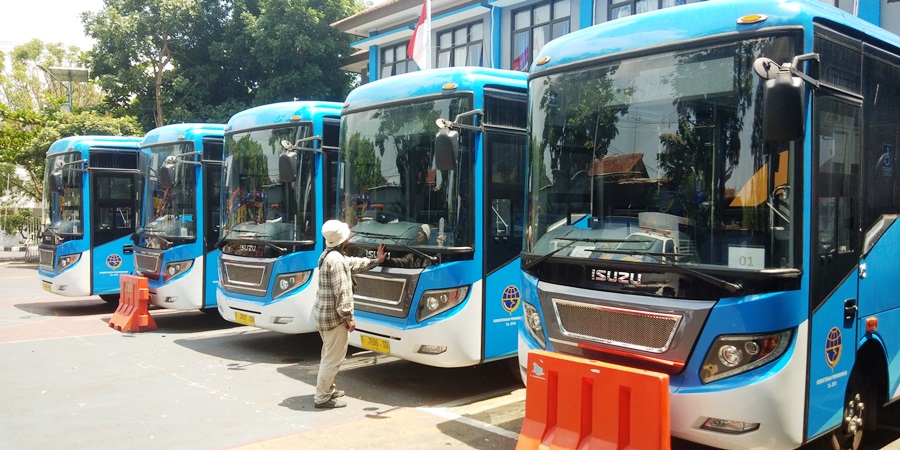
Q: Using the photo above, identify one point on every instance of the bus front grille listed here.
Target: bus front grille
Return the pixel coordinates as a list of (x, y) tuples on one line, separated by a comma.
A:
[(46, 259), (385, 291), (379, 289), (245, 278), (147, 262), (640, 330)]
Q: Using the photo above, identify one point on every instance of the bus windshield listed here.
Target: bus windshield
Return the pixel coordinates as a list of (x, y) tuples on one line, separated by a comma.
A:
[(63, 201), (662, 155), (170, 211), (258, 205), (393, 191)]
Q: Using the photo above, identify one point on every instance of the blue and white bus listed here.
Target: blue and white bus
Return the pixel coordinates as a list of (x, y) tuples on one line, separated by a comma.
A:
[(715, 200), (433, 167), (280, 170), (179, 224), (90, 206)]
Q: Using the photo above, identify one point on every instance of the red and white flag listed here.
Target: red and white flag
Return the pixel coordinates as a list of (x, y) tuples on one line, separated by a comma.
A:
[(420, 43)]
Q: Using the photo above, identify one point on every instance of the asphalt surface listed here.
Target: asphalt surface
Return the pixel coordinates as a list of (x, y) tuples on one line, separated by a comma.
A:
[(198, 382)]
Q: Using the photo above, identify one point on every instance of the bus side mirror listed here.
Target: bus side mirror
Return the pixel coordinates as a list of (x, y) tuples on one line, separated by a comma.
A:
[(446, 147), (55, 182), (783, 96), (783, 108), (166, 173), (287, 166)]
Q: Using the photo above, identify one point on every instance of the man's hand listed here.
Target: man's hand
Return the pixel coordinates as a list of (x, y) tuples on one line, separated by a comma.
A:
[(351, 325), (380, 254)]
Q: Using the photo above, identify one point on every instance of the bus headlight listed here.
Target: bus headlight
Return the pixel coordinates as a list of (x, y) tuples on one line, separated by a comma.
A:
[(67, 261), (287, 282), (173, 269), (533, 324), (734, 354), (439, 300)]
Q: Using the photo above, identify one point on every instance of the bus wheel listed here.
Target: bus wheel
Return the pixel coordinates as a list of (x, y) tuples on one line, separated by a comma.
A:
[(513, 365), (110, 298), (857, 403)]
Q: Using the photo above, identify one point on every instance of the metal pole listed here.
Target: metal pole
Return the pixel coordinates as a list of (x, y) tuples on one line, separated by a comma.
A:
[(68, 106)]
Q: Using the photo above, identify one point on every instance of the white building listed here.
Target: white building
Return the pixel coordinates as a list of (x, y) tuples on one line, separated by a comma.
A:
[(507, 34)]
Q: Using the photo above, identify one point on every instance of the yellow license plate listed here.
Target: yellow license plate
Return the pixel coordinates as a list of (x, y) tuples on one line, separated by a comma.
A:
[(375, 344), (244, 319), (46, 286)]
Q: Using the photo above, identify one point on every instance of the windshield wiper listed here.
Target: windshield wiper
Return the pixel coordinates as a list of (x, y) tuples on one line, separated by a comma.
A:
[(50, 230), (661, 259), (147, 232), (571, 240), (396, 239)]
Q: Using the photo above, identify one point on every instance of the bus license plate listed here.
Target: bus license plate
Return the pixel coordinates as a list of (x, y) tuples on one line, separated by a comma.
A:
[(244, 319), (375, 344), (46, 286)]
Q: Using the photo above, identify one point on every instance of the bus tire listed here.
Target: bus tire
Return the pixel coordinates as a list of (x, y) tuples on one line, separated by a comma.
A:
[(110, 298), (513, 365), (859, 404)]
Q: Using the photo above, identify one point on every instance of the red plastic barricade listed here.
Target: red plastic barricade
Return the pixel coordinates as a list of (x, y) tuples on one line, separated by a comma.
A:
[(577, 403), (132, 314)]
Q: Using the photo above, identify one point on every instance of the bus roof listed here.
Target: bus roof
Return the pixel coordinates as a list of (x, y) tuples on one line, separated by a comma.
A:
[(430, 82), (82, 143), (182, 132), (683, 23), (278, 113)]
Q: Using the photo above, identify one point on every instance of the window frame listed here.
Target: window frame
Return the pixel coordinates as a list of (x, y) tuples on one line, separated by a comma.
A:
[(395, 51), (454, 46), (529, 30), (615, 5)]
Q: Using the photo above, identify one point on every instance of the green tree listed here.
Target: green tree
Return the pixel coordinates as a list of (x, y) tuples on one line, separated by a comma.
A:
[(30, 115), (26, 136), (26, 85), (297, 52), (136, 43), (16, 221), (203, 60)]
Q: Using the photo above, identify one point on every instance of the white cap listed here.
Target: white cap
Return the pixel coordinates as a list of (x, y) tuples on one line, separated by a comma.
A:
[(427, 230), (335, 233)]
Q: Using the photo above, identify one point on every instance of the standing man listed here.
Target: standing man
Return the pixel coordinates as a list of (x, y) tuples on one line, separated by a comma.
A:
[(334, 307)]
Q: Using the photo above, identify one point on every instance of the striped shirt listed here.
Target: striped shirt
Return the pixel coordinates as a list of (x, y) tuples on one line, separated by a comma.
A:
[(334, 299)]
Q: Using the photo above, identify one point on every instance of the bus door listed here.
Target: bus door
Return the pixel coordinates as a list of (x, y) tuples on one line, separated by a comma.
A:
[(503, 227), (112, 220), (331, 137), (834, 257), (212, 198)]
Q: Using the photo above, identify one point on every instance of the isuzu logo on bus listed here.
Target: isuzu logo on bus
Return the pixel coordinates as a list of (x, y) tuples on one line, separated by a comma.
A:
[(615, 276)]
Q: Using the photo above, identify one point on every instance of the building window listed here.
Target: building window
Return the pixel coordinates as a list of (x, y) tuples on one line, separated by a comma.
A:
[(461, 46), (619, 8), (395, 62), (534, 26)]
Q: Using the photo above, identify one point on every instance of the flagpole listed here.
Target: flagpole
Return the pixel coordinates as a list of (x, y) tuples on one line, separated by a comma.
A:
[(428, 35)]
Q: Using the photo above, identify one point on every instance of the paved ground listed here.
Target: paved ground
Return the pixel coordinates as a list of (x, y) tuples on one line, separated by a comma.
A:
[(198, 382)]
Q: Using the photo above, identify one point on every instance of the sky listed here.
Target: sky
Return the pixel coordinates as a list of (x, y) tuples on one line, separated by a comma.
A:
[(47, 20)]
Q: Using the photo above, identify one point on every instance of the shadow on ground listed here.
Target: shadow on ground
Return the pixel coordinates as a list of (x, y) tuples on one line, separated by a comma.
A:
[(248, 345), (377, 378), (191, 321), (85, 306)]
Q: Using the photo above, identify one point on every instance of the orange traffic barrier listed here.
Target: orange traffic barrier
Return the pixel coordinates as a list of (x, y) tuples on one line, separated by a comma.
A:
[(132, 314), (577, 403)]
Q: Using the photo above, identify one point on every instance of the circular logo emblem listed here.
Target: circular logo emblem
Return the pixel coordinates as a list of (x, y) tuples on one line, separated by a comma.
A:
[(511, 298), (833, 346), (113, 261)]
